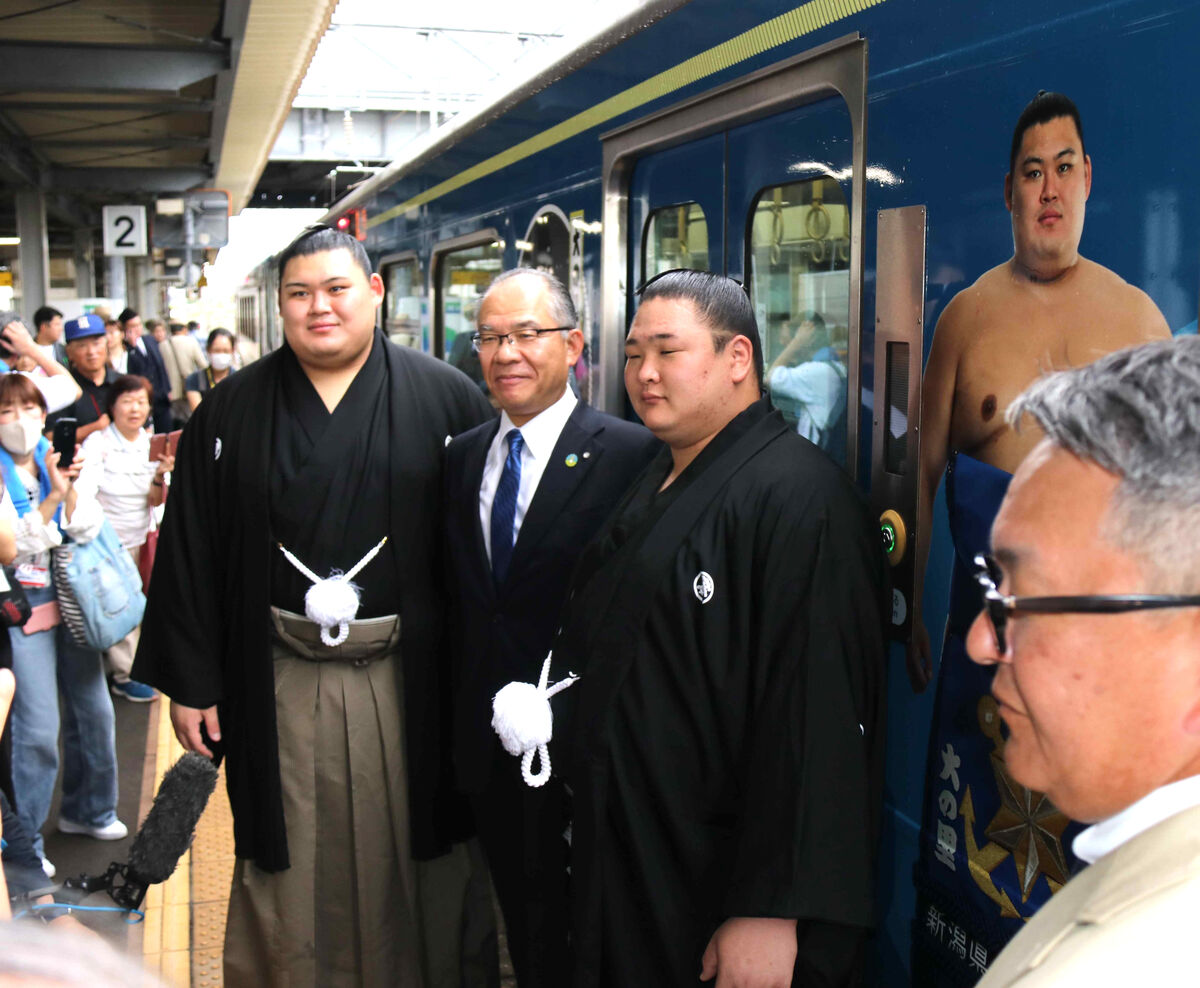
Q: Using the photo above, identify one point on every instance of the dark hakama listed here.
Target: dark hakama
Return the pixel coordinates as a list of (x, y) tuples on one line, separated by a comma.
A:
[(724, 745), (341, 807)]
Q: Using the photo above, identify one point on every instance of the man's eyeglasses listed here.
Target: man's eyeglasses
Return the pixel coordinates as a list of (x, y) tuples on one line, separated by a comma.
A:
[(999, 606), (520, 338)]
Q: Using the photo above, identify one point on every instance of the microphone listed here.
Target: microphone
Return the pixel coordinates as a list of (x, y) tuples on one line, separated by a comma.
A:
[(164, 836)]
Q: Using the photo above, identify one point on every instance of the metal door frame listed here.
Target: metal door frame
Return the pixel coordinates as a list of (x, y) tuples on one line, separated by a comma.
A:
[(838, 68)]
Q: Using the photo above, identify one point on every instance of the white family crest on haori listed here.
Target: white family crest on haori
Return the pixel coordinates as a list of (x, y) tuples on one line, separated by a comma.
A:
[(217, 449), (333, 602), (703, 587), (521, 717)]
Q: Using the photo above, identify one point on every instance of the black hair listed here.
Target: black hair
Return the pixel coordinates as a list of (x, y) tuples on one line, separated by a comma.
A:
[(319, 239), (123, 385), (1043, 108), (125, 316), (719, 301), (192, 324), (216, 334), (175, 328), (44, 315)]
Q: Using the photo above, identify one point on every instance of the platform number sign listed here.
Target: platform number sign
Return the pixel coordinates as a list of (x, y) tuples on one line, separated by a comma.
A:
[(125, 231)]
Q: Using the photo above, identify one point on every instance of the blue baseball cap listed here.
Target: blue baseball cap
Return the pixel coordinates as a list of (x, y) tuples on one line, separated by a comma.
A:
[(83, 326)]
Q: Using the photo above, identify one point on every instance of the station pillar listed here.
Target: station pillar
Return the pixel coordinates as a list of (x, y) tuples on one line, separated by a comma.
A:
[(34, 252), (85, 264), (114, 279)]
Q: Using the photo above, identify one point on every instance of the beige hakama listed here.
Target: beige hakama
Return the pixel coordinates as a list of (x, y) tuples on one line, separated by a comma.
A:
[(354, 908)]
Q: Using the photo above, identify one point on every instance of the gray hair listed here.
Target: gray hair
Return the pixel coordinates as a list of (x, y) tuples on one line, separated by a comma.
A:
[(1136, 414), (562, 309)]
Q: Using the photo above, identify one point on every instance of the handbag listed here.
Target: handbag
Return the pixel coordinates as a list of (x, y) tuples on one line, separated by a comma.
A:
[(146, 554), (14, 605), (99, 589)]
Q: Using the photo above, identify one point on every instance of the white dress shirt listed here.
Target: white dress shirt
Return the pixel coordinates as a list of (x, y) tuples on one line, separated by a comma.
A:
[(1165, 801), (540, 434)]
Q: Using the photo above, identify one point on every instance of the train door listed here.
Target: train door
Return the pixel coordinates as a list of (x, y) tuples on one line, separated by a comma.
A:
[(461, 271), (405, 313), (760, 180)]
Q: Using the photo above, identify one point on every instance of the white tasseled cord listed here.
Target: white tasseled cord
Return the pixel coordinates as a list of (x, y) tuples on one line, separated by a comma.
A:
[(333, 602), (521, 717)]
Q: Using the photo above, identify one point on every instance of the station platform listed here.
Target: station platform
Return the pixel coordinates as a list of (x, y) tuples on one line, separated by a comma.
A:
[(182, 933), (183, 928)]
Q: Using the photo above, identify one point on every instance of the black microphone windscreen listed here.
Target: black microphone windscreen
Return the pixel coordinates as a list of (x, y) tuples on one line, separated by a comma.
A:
[(166, 833)]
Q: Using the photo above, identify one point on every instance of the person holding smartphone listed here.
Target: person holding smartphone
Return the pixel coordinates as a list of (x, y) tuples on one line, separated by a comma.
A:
[(122, 475), (46, 659)]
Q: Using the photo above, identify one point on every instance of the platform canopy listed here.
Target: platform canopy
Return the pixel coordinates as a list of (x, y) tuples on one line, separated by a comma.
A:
[(107, 101)]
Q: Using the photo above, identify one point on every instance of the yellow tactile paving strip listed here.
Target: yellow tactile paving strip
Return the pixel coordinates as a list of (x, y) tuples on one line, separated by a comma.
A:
[(185, 916)]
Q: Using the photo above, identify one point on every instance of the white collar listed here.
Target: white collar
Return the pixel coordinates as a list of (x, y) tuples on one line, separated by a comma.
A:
[(142, 438), (1165, 801), (541, 432)]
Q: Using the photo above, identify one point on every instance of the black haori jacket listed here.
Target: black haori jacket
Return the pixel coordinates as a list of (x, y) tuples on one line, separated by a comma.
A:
[(206, 635)]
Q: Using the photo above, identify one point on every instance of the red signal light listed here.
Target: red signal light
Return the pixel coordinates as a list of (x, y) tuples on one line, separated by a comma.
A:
[(343, 222)]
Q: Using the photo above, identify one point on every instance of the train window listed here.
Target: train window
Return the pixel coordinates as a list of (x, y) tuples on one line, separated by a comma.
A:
[(547, 245), (799, 254), (676, 237), (403, 294), (463, 276)]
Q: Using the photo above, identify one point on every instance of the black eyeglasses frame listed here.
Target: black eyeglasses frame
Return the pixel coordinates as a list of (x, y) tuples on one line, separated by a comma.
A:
[(999, 607)]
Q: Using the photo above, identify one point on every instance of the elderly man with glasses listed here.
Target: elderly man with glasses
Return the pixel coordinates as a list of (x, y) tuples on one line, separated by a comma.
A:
[(524, 496), (1092, 620)]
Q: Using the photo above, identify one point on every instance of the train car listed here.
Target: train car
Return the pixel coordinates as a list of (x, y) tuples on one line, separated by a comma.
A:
[(844, 159)]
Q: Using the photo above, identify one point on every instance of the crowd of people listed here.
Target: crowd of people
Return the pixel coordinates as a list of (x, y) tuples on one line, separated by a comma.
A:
[(631, 676), (79, 402)]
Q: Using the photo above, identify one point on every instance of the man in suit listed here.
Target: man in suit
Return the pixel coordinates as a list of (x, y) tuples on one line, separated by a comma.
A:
[(524, 497), (1092, 620), (146, 360)]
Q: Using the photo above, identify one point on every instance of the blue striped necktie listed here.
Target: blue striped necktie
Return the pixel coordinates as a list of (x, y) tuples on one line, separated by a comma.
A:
[(504, 507)]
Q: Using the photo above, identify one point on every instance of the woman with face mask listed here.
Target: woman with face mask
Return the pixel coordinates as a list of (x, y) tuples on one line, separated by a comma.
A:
[(119, 473), (47, 661), (220, 366)]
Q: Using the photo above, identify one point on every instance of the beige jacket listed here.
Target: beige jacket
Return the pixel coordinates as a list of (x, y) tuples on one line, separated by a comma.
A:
[(1129, 919), (182, 355)]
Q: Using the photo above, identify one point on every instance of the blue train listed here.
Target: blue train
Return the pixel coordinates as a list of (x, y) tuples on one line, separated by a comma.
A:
[(845, 159)]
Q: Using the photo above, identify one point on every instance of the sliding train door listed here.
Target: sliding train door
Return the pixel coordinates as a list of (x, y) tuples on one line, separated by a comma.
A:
[(760, 180)]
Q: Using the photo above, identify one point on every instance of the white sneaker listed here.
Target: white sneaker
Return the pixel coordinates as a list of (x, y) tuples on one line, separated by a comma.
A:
[(113, 831), (48, 868)]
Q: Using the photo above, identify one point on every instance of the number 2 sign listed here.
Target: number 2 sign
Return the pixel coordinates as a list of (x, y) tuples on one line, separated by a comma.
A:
[(124, 231)]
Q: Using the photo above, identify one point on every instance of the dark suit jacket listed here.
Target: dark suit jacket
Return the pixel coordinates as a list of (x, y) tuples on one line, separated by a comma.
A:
[(151, 367), (502, 633)]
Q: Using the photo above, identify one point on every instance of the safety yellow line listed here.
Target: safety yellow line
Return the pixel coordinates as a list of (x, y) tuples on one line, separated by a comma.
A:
[(167, 936), (789, 26)]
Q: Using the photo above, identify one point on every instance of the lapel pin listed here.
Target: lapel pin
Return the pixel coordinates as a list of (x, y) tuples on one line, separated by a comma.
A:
[(586, 455), (572, 459)]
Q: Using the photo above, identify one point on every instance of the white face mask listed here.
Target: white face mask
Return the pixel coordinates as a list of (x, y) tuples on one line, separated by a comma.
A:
[(21, 436), (220, 361)]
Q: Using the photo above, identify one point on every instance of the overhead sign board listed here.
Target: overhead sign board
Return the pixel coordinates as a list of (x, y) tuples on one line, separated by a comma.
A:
[(124, 231)]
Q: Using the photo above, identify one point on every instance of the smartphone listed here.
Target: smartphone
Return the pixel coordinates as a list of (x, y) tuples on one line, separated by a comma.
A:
[(173, 441), (64, 441), (158, 446)]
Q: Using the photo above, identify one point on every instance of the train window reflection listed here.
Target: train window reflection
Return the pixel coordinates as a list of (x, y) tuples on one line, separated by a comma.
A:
[(799, 254), (463, 277), (676, 237), (403, 294), (547, 245)]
